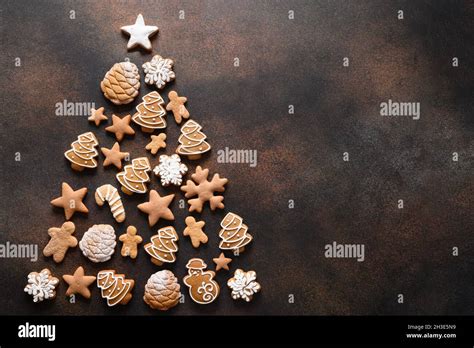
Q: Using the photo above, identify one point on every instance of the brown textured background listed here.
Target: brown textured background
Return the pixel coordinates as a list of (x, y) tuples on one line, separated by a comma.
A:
[(282, 62)]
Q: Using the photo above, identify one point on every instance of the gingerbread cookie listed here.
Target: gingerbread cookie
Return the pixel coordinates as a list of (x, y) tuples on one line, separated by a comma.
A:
[(71, 201), (135, 176), (244, 285), (204, 190), (121, 83), (157, 142), (203, 289), (110, 194), (114, 287), (97, 116), (130, 242), (139, 33), (61, 240), (114, 156), (162, 291), (192, 142), (98, 243), (158, 71), (234, 233), (170, 170), (79, 283), (163, 246), (157, 207), (195, 232), (42, 285), (120, 127), (176, 105), (150, 114), (83, 152), (222, 262)]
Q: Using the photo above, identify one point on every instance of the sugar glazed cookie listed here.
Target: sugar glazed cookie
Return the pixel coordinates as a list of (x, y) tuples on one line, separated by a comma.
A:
[(163, 246), (98, 243), (203, 289), (42, 285), (244, 285), (121, 83), (61, 240), (192, 142), (82, 152), (108, 193), (114, 287), (135, 176), (170, 170), (158, 71), (139, 33), (162, 291)]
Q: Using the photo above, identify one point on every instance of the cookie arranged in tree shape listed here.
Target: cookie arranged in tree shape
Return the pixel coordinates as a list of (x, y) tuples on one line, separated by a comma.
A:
[(150, 113), (61, 240), (192, 142), (110, 194), (203, 289), (204, 190), (135, 176), (163, 246), (162, 291), (234, 233), (139, 33), (83, 152), (42, 285), (121, 83), (114, 287)]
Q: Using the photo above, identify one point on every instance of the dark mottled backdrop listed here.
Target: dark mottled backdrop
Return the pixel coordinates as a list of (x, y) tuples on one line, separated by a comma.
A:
[(282, 62)]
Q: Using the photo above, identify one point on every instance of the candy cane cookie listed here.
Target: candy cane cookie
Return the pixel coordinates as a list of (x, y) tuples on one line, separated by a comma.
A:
[(110, 194)]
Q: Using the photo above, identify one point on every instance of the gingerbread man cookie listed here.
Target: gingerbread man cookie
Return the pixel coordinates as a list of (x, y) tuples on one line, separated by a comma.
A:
[(195, 232), (130, 242), (61, 240), (157, 142), (176, 105)]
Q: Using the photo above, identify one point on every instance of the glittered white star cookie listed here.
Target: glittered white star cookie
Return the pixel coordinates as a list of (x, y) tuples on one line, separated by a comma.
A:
[(139, 33)]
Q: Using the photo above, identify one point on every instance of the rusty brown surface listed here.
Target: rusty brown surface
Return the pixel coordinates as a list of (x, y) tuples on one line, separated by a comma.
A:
[(282, 62)]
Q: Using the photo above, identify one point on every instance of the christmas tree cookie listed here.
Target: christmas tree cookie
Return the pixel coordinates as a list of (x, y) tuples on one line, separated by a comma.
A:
[(135, 176), (192, 142), (83, 152), (163, 246), (114, 287), (150, 113), (234, 233)]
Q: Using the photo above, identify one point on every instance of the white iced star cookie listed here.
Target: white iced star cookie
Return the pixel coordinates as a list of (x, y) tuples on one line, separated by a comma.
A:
[(139, 33)]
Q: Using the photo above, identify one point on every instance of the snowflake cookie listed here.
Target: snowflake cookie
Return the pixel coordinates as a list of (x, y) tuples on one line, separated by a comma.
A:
[(42, 285), (159, 71), (243, 285), (170, 170)]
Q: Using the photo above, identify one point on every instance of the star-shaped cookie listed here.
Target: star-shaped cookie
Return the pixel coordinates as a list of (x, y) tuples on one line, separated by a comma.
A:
[(71, 201), (139, 33), (157, 142), (79, 283), (97, 116), (114, 156), (222, 262), (120, 127), (157, 207)]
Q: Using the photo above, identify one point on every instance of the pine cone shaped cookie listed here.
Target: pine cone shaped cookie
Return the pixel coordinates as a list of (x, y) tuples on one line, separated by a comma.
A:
[(121, 83), (98, 243), (162, 291)]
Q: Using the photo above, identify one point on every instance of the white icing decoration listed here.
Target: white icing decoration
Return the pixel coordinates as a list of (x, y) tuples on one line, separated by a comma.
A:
[(189, 130), (135, 167), (110, 194), (98, 243), (158, 71), (164, 236), (41, 285), (170, 170), (139, 33), (243, 285), (116, 294), (235, 235), (83, 148)]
